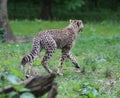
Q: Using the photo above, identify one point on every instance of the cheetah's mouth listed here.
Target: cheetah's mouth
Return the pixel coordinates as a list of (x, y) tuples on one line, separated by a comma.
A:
[(81, 30)]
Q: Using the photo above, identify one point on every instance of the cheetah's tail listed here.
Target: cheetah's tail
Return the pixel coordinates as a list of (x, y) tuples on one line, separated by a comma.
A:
[(29, 58), (33, 54), (24, 60)]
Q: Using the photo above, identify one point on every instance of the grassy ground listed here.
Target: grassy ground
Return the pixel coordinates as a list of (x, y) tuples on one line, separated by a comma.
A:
[(97, 49)]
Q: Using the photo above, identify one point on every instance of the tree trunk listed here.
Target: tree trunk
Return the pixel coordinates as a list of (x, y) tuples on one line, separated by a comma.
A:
[(46, 10), (4, 22)]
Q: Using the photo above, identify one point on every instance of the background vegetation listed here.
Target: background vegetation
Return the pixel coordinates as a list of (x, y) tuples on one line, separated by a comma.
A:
[(92, 10), (97, 48)]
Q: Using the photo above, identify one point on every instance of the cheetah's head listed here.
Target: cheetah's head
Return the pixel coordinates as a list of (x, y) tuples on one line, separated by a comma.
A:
[(77, 24)]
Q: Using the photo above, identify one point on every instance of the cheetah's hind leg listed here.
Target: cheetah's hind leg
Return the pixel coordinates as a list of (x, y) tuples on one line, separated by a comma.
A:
[(44, 62), (28, 70), (62, 59)]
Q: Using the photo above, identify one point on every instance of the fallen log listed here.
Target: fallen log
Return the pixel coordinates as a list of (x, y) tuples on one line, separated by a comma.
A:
[(53, 91), (38, 85)]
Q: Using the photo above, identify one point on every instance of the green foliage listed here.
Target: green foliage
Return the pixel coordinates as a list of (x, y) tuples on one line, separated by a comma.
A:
[(27, 95), (68, 5), (13, 78), (35, 8), (96, 49), (87, 10), (86, 89), (16, 72)]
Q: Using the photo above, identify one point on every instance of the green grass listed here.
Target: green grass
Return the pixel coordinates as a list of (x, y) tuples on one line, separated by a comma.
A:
[(97, 49)]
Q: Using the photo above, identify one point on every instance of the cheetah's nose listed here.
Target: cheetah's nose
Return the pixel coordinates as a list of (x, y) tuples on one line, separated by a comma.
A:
[(81, 29)]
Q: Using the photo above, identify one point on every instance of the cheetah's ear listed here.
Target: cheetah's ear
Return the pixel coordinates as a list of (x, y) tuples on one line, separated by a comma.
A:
[(70, 20), (78, 23)]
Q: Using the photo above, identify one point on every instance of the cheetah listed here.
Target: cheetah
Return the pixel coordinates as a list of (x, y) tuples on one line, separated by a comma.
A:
[(50, 40)]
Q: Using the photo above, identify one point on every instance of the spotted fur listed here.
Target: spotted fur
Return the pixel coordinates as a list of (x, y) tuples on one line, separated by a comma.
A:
[(50, 40)]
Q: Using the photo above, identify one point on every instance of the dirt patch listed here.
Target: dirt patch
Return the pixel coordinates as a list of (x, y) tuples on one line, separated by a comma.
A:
[(23, 39)]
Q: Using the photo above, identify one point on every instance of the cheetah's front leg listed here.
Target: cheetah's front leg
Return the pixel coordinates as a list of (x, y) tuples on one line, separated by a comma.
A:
[(73, 59)]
